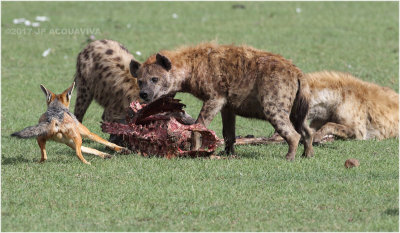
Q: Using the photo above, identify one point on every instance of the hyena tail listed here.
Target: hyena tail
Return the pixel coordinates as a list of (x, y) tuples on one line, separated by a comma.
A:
[(300, 107), (33, 131)]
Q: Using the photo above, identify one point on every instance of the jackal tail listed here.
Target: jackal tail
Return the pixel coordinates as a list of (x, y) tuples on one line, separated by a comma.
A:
[(32, 131), (300, 106)]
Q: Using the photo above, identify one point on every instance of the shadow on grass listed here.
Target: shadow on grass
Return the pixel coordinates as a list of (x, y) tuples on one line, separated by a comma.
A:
[(325, 145), (21, 159), (248, 154), (14, 160), (392, 212)]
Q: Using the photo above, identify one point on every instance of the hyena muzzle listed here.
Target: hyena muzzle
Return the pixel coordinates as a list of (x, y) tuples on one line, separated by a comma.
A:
[(233, 80), (102, 74)]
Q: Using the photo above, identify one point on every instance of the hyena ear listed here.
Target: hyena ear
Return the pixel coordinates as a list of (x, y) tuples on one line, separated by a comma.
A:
[(163, 61), (133, 68), (69, 91), (47, 93)]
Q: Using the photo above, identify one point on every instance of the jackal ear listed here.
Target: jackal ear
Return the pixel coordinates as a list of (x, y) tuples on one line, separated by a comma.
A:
[(69, 91), (46, 92), (133, 68), (163, 61)]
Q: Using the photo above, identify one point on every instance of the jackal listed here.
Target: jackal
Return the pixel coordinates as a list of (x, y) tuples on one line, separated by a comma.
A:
[(59, 125), (102, 74), (233, 80)]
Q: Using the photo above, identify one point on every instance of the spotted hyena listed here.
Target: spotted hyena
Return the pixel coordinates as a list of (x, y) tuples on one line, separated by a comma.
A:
[(102, 74), (233, 80), (349, 108)]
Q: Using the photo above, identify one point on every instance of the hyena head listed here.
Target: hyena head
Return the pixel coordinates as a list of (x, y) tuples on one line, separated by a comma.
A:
[(154, 78)]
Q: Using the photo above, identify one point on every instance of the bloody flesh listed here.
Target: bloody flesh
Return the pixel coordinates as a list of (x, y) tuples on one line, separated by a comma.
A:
[(162, 128)]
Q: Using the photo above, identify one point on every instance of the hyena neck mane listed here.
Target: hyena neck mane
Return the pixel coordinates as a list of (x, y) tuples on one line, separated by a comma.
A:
[(186, 63)]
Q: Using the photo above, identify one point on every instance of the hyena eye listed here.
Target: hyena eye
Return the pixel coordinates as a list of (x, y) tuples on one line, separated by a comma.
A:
[(154, 79), (140, 83)]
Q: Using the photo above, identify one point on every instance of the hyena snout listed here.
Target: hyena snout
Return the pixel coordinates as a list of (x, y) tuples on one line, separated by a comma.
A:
[(146, 95), (143, 95)]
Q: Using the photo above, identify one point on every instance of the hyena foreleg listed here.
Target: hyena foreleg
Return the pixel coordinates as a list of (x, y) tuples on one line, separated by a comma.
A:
[(207, 113), (228, 129), (335, 129), (83, 100)]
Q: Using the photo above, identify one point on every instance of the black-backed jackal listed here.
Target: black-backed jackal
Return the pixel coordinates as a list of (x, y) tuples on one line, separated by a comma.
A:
[(58, 124)]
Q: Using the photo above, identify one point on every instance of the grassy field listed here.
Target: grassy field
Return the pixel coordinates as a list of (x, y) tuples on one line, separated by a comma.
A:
[(260, 191)]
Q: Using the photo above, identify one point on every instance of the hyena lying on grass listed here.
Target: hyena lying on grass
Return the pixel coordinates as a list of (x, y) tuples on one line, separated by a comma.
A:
[(102, 74), (236, 81), (348, 107)]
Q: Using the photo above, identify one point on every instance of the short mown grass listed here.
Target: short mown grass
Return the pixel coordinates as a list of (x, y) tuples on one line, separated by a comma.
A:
[(259, 191)]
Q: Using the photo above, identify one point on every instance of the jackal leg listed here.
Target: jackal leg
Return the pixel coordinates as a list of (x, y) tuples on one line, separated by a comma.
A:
[(335, 129), (208, 112), (76, 145), (228, 129), (42, 144), (95, 152), (86, 133), (89, 150)]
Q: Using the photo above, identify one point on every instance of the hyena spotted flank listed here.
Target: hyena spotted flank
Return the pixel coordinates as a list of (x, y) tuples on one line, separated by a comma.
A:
[(233, 80), (102, 74), (348, 107)]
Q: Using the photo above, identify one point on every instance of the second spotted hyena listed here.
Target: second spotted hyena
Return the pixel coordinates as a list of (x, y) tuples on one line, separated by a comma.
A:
[(233, 80), (348, 107), (102, 74)]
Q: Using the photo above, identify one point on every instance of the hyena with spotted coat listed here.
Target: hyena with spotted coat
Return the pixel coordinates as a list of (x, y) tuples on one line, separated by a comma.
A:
[(102, 74), (233, 80), (348, 107)]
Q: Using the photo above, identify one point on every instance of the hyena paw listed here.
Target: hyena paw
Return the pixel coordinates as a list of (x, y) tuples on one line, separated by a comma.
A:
[(290, 157), (318, 137), (308, 153)]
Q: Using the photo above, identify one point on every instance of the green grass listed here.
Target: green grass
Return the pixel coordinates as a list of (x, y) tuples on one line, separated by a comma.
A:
[(260, 191)]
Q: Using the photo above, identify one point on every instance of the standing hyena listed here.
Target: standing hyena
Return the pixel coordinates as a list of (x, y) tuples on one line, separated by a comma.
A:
[(236, 81), (102, 74)]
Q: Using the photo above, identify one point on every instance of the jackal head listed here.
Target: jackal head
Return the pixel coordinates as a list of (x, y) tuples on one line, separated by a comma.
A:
[(63, 98), (154, 78)]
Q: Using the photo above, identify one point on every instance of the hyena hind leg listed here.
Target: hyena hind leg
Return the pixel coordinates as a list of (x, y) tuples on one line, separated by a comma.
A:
[(228, 129), (335, 129), (307, 135), (282, 124)]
